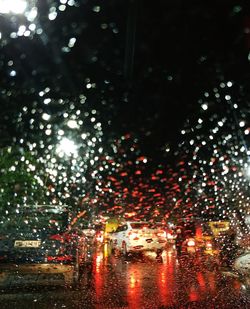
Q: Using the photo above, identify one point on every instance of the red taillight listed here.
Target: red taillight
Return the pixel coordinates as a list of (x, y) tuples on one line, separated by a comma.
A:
[(59, 237), (191, 243), (63, 258)]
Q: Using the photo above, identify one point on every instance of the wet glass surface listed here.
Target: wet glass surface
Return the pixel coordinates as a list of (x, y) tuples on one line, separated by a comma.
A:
[(139, 281), (122, 111)]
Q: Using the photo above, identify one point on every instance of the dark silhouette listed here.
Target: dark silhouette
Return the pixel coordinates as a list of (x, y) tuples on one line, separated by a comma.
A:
[(228, 248), (180, 237)]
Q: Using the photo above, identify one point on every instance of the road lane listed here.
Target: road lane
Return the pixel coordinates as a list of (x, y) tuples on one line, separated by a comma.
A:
[(140, 281)]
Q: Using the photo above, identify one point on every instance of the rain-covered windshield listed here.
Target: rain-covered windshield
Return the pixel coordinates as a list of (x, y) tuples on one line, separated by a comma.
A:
[(124, 112)]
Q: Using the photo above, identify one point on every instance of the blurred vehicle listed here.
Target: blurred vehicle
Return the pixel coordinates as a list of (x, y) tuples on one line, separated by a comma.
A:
[(99, 234), (197, 236), (89, 232), (138, 236), (242, 265), (84, 226), (170, 234), (41, 239), (227, 247)]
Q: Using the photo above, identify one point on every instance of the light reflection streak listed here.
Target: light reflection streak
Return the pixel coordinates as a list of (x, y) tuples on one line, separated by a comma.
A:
[(201, 281), (211, 277), (134, 293), (98, 274), (193, 294), (205, 284), (106, 251), (165, 279)]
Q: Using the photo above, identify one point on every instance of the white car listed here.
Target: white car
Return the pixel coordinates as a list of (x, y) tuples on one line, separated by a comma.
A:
[(138, 236), (242, 264)]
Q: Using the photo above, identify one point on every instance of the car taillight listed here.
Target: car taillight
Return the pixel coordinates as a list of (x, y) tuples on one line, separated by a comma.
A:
[(191, 243), (63, 258), (209, 245), (57, 237)]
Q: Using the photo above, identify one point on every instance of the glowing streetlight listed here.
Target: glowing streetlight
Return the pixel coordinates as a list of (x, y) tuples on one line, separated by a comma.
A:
[(67, 147), (13, 6), (25, 9)]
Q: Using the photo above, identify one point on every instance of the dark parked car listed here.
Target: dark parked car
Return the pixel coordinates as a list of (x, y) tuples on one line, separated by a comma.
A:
[(39, 239)]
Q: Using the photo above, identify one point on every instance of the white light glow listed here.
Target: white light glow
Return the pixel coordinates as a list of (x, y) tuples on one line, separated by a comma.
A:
[(13, 6), (72, 124), (242, 123), (32, 14), (52, 15), (67, 147), (45, 116), (204, 106)]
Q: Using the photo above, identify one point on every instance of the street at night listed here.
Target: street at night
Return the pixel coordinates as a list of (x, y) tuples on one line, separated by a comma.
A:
[(124, 154), (139, 281)]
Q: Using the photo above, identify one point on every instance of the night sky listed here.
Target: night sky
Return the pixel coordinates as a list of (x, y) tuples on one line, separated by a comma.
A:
[(151, 61), (181, 50)]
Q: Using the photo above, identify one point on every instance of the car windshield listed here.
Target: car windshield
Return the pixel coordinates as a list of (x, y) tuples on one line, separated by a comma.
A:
[(124, 112), (149, 225)]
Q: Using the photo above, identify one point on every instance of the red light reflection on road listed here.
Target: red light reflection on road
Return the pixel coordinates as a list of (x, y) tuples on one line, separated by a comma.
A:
[(98, 273), (193, 294), (105, 251), (237, 285), (201, 281), (166, 281), (211, 277), (199, 287), (134, 287), (205, 285)]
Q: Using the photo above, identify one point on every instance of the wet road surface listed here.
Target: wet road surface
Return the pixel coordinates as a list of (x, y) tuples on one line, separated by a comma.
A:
[(140, 281)]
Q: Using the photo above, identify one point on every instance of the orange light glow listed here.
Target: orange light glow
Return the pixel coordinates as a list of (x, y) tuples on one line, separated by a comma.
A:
[(166, 283), (105, 251), (198, 232), (98, 274), (193, 294), (134, 288), (201, 281), (191, 243)]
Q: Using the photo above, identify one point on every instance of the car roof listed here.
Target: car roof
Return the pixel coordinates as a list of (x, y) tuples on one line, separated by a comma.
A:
[(47, 208)]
